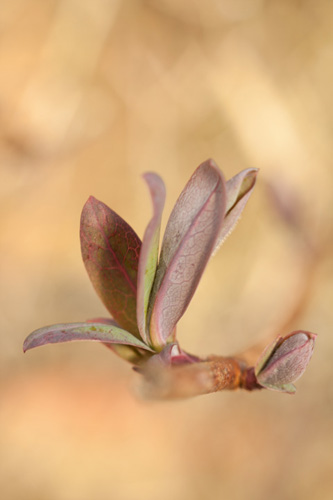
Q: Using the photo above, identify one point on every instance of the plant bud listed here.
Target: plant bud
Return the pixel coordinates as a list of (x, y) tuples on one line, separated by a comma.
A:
[(284, 361)]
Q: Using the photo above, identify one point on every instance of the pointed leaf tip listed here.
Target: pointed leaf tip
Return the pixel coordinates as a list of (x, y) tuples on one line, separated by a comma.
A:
[(98, 332), (285, 361), (189, 238), (239, 189)]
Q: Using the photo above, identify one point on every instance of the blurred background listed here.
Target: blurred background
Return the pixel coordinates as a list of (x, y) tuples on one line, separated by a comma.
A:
[(93, 94)]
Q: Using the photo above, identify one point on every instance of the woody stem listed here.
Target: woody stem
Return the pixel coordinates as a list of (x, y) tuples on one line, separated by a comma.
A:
[(211, 375)]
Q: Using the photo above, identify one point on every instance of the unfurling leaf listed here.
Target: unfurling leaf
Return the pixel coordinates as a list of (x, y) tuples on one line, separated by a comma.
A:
[(284, 361), (68, 332), (189, 239), (110, 251), (238, 189), (149, 252)]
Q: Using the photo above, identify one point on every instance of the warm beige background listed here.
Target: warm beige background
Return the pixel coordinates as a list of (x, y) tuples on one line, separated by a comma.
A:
[(92, 94)]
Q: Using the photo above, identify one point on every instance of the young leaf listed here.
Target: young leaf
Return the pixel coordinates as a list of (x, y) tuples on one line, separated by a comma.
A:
[(127, 352), (239, 189), (149, 252), (285, 360), (190, 236), (110, 251), (68, 332)]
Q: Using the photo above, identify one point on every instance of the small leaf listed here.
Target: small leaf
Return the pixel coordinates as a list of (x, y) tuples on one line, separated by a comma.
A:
[(239, 189), (68, 332), (189, 239), (110, 251), (149, 252), (285, 361)]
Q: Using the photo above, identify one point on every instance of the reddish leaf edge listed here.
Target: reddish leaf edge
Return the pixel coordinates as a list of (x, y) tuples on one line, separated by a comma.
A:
[(67, 332), (158, 337), (98, 221)]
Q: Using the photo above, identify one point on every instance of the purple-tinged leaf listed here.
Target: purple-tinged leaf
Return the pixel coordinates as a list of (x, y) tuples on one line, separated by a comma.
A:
[(149, 252), (68, 332), (127, 352), (110, 251), (189, 239), (284, 361), (238, 189)]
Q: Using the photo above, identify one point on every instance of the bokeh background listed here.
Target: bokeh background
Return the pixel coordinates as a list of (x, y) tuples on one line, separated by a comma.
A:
[(93, 94)]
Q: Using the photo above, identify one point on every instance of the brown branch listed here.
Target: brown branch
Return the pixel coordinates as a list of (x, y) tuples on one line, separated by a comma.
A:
[(188, 380)]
